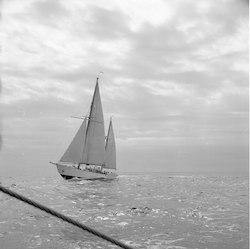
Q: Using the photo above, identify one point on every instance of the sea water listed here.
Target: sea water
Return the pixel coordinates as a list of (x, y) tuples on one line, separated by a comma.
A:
[(143, 210)]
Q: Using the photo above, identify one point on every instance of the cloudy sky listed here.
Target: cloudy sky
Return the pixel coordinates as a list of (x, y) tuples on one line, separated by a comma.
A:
[(175, 80)]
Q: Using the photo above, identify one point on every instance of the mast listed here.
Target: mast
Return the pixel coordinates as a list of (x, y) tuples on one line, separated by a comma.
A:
[(94, 147)]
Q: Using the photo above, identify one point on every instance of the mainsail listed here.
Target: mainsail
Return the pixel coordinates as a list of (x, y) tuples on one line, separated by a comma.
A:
[(110, 149), (75, 150), (94, 148)]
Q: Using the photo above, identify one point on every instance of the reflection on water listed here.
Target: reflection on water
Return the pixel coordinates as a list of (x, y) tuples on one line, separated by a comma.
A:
[(153, 210)]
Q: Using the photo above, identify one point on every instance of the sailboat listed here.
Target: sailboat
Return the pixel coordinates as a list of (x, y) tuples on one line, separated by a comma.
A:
[(90, 155)]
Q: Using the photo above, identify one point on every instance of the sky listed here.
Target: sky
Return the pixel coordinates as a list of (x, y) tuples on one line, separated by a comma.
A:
[(175, 81)]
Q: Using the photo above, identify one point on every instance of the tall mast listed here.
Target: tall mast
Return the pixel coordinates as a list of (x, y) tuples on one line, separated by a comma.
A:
[(94, 149)]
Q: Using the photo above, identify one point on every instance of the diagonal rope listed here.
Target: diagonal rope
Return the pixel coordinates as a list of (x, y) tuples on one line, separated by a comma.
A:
[(63, 217)]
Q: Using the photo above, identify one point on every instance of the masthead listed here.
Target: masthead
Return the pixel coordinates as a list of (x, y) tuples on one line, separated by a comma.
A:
[(98, 76)]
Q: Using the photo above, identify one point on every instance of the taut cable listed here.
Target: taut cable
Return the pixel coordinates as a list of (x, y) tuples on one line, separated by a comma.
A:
[(63, 217)]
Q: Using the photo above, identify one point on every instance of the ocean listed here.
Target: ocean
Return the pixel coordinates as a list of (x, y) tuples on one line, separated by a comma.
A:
[(143, 210)]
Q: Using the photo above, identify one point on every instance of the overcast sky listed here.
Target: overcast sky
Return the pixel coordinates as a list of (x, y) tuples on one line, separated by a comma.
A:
[(175, 80)]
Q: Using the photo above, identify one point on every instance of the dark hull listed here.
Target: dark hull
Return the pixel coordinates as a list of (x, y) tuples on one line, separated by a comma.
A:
[(67, 177)]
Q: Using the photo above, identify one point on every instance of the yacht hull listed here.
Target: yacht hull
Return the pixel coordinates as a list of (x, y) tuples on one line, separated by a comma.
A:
[(69, 172)]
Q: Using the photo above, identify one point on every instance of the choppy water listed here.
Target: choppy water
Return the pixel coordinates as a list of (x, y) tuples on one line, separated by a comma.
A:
[(146, 210)]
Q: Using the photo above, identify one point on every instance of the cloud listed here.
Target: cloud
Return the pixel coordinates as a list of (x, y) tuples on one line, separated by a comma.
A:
[(48, 12), (106, 25), (175, 78)]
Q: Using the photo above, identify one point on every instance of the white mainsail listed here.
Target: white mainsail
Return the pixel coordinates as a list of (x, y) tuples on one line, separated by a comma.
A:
[(94, 148), (75, 150), (110, 149)]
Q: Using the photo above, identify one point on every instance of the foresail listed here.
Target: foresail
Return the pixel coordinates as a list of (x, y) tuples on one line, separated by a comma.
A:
[(75, 150), (94, 149), (110, 149)]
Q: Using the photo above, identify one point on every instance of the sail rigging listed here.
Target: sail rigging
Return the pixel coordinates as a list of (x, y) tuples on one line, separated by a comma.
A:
[(94, 148)]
